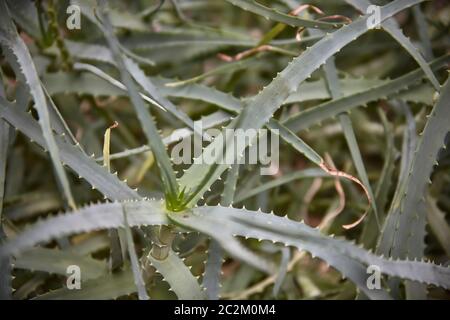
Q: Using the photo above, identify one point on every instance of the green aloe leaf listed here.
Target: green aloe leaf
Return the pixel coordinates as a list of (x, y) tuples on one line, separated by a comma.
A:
[(393, 29), (332, 78), (285, 258), (153, 92), (440, 227), (90, 218), (5, 263), (422, 28), (371, 232), (110, 286), (11, 42), (56, 262), (302, 174), (83, 165), (213, 271), (148, 124), (327, 110), (135, 267), (178, 275), (404, 231), (275, 15), (86, 167), (346, 257), (198, 178), (213, 266)]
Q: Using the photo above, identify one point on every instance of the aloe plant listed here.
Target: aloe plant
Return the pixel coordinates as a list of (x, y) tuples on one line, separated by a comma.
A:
[(137, 223)]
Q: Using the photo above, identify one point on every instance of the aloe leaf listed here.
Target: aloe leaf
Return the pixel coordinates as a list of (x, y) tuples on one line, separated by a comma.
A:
[(110, 286), (258, 111), (348, 258), (180, 278), (422, 93), (309, 117), (82, 83), (192, 91), (345, 256), (229, 190), (88, 84), (213, 266), (407, 155), (307, 173), (148, 86), (200, 92), (30, 286), (5, 263), (11, 41), (213, 271), (237, 250), (391, 26), (88, 9), (4, 146), (5, 278), (119, 18), (333, 83), (208, 121), (285, 258), (85, 83), (100, 73), (25, 15), (148, 124), (318, 89), (90, 245), (207, 221), (58, 123), (408, 150), (167, 55), (167, 39), (90, 218), (108, 184), (232, 245), (91, 52), (358, 161), (292, 139), (295, 141), (422, 28), (227, 68), (188, 22), (440, 227), (56, 262), (275, 15), (407, 240), (135, 267), (370, 231), (86, 167)]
